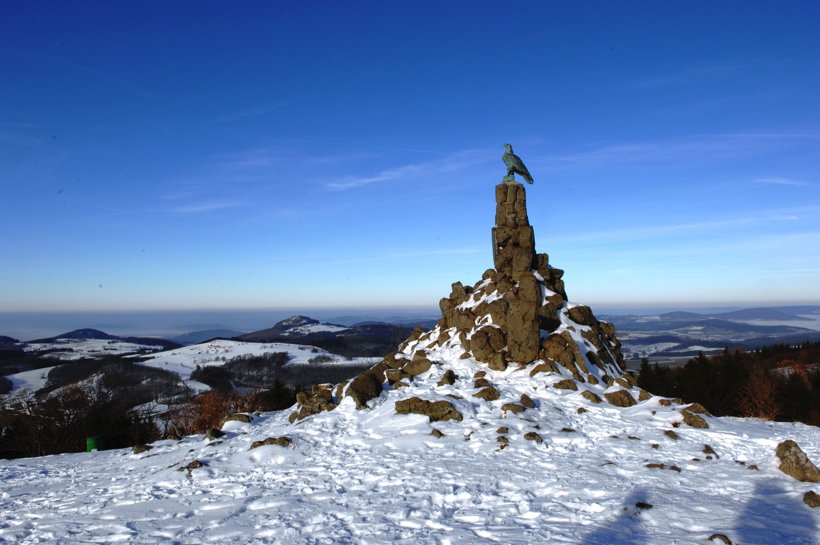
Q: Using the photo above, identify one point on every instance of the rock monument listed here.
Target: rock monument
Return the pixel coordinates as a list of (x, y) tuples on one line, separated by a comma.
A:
[(517, 315)]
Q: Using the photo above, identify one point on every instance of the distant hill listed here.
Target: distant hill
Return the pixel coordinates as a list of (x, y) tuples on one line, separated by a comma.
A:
[(757, 314), (8, 343), (362, 339), (196, 337), (95, 334), (79, 334)]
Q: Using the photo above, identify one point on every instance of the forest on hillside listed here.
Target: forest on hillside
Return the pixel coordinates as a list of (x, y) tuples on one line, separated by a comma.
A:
[(779, 382)]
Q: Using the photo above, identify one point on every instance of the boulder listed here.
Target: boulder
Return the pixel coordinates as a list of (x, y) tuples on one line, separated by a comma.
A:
[(513, 408), (591, 396), (566, 384), (280, 441), (643, 395), (213, 434), (139, 449), (620, 398), (812, 499), (481, 383), (237, 417), (449, 377), (546, 367), (532, 436), (488, 394), (363, 388), (320, 399), (693, 420), (487, 341), (582, 315), (434, 410), (395, 375), (795, 463), (419, 365), (561, 348), (527, 401)]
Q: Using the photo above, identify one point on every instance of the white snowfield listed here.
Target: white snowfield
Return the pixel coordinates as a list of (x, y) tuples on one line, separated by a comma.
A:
[(314, 328), (30, 380), (75, 349), (376, 477), (186, 359)]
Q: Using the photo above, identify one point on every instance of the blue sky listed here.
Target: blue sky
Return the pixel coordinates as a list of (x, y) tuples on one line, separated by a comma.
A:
[(177, 155)]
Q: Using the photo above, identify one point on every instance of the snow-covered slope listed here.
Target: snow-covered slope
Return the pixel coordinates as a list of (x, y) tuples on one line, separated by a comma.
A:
[(602, 475), (75, 349), (510, 422), (185, 360)]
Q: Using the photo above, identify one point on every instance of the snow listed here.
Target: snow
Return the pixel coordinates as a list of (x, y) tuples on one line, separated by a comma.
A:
[(184, 361), (30, 380), (315, 328), (75, 349), (376, 477)]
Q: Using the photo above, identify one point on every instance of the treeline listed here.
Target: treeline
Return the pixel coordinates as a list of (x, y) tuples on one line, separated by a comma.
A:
[(115, 400), (64, 420), (779, 382), (61, 422), (255, 371)]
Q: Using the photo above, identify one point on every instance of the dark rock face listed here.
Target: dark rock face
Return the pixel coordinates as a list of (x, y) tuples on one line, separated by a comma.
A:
[(795, 463)]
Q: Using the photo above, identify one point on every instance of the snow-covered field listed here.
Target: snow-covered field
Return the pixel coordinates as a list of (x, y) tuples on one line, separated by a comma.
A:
[(30, 380), (186, 359), (314, 328), (375, 477), (75, 349)]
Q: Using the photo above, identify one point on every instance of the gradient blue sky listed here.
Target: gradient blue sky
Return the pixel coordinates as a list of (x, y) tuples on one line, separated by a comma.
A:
[(184, 155)]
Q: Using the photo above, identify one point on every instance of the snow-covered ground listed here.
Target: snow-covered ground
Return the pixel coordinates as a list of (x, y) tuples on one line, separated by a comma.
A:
[(75, 349), (315, 328), (30, 380), (376, 477), (185, 360)]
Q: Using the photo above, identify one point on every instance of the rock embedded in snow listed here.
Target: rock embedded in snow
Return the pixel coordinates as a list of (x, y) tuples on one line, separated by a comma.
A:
[(693, 420), (795, 463), (812, 499), (620, 398), (434, 410), (278, 441)]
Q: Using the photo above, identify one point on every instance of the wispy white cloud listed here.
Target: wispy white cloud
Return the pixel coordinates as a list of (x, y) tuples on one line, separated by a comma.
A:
[(381, 258), (257, 111), (663, 231), (778, 180), (694, 148), (692, 74), (450, 163), (198, 208)]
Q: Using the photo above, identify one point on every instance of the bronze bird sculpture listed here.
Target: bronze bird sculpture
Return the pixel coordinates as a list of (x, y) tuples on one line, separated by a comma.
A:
[(514, 165)]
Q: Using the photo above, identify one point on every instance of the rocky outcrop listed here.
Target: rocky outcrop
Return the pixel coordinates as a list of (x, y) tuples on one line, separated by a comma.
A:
[(517, 314)]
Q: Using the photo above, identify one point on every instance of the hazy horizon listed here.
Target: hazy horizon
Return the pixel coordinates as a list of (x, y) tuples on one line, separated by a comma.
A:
[(31, 325)]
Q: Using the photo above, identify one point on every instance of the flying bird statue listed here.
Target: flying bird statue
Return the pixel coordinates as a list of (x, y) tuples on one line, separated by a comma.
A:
[(514, 165)]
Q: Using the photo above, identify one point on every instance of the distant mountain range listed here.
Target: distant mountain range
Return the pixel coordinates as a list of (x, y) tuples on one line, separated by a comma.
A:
[(88, 333), (676, 335)]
